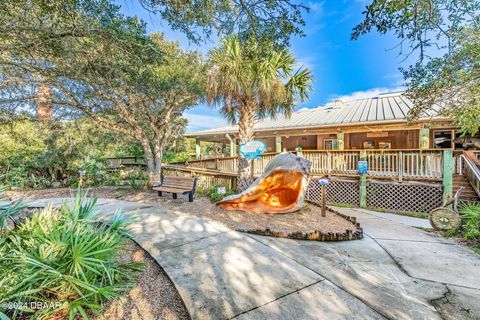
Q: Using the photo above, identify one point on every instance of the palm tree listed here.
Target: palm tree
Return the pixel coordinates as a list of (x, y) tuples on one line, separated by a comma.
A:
[(252, 81)]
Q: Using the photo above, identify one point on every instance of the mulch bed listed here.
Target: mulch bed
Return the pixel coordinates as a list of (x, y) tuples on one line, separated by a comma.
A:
[(304, 224), (153, 297)]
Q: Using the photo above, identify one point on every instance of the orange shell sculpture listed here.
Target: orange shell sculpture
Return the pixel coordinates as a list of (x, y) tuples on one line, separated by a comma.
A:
[(281, 188)]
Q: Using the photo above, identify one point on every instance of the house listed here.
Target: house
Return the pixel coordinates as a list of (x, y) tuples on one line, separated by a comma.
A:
[(412, 166), (379, 122)]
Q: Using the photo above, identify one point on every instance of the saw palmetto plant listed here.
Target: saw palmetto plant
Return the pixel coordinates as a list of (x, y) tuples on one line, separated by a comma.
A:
[(66, 259)]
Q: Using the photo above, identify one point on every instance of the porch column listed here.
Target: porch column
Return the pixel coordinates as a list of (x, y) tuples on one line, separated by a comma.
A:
[(278, 143), (424, 138), (363, 182), (447, 175), (340, 141), (198, 150), (233, 145), (233, 148)]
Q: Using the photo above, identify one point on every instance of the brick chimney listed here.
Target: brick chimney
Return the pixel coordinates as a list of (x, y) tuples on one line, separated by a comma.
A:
[(44, 104)]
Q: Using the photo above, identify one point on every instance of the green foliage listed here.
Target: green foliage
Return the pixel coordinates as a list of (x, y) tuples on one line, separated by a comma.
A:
[(470, 213), (250, 80), (270, 20), (7, 210), (250, 76), (66, 258), (215, 196), (100, 64), (446, 36), (450, 233), (41, 155)]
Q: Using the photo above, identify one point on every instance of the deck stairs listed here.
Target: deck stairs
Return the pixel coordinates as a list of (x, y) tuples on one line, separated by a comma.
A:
[(467, 175), (468, 193)]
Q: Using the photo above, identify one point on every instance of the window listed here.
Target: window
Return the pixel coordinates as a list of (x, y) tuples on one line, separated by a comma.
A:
[(442, 139), (369, 144), (330, 144)]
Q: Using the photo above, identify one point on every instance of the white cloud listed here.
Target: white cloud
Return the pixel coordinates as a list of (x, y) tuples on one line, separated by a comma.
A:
[(364, 94), (316, 6), (197, 122)]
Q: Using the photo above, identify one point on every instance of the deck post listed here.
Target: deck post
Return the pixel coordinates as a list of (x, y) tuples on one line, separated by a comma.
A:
[(424, 138), (340, 141), (233, 145), (233, 148), (198, 150), (363, 182), (278, 144), (447, 175)]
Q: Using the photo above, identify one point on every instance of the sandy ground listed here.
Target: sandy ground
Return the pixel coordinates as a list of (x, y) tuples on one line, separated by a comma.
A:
[(153, 296), (308, 219)]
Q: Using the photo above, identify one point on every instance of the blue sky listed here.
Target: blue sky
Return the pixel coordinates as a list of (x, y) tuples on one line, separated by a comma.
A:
[(342, 68)]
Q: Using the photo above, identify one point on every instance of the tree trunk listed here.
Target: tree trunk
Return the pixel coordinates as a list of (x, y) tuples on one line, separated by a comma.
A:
[(152, 167), (246, 122), (158, 156)]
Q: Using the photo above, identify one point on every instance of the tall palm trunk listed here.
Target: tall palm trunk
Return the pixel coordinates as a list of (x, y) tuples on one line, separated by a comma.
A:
[(246, 122)]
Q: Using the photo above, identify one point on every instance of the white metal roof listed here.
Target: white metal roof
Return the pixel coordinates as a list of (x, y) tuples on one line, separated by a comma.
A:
[(384, 108)]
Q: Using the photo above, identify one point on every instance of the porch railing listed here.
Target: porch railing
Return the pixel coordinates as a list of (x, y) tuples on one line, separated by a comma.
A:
[(413, 164)]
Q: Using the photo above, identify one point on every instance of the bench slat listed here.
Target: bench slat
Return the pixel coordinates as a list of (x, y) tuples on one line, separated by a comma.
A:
[(172, 190), (174, 185)]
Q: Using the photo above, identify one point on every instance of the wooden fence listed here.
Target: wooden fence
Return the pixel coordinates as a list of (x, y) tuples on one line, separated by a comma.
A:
[(409, 164)]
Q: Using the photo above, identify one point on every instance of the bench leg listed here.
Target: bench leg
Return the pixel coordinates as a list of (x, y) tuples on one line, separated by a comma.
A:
[(190, 197), (174, 195), (160, 193)]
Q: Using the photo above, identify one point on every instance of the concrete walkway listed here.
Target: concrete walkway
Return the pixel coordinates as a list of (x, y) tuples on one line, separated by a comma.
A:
[(396, 272)]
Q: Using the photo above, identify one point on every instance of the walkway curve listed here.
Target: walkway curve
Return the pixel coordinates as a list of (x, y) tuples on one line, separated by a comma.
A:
[(396, 272)]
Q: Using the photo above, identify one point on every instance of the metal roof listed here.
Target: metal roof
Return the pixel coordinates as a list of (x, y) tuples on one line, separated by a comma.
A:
[(384, 108)]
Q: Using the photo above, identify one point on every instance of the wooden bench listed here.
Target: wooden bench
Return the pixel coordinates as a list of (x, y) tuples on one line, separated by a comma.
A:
[(175, 185)]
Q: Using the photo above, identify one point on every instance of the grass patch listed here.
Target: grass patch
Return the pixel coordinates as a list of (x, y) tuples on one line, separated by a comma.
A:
[(215, 196)]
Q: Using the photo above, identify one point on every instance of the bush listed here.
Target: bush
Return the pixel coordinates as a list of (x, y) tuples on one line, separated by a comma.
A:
[(66, 258), (215, 196), (470, 213)]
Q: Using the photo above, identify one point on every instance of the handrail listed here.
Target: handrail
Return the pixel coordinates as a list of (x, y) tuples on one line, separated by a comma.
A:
[(471, 172)]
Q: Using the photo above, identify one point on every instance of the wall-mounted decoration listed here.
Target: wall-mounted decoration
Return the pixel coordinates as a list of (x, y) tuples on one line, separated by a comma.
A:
[(377, 134), (252, 149), (384, 145)]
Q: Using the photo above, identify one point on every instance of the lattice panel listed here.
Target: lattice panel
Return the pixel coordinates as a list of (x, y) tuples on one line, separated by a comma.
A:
[(404, 197), (338, 192)]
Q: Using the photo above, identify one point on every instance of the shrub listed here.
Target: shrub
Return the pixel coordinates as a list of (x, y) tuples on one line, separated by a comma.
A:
[(66, 258), (215, 196), (470, 213), (7, 210)]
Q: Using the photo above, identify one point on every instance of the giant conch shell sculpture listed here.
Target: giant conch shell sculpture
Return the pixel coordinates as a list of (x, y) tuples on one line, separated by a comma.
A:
[(281, 188)]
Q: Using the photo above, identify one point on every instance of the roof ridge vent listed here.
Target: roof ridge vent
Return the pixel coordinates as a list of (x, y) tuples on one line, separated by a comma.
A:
[(390, 93)]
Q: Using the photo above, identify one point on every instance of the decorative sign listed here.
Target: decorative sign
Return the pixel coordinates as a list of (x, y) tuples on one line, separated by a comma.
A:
[(323, 181), (252, 149), (362, 167), (377, 134)]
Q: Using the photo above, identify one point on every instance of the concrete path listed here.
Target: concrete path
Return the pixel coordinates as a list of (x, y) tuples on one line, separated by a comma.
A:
[(396, 272)]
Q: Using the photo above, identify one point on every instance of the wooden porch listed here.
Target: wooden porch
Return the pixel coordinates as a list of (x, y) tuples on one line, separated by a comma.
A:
[(404, 164)]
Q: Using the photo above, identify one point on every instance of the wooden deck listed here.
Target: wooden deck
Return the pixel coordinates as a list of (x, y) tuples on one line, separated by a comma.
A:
[(406, 164)]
